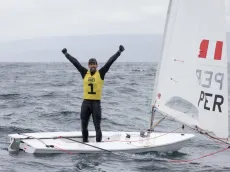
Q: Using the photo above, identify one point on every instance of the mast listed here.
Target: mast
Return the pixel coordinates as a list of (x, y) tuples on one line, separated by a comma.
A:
[(158, 68)]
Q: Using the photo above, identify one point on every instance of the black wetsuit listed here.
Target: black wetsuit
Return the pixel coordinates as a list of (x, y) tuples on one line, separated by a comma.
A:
[(92, 106)]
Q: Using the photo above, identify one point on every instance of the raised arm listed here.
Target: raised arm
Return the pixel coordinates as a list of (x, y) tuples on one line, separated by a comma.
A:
[(75, 62), (111, 60)]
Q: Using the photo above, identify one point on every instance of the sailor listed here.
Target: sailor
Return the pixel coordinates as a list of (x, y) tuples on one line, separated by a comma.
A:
[(93, 81)]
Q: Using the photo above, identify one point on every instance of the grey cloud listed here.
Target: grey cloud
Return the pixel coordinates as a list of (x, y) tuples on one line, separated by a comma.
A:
[(38, 18)]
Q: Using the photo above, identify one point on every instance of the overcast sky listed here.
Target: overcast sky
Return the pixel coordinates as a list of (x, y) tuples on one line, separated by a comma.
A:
[(20, 19), (35, 18), (28, 19)]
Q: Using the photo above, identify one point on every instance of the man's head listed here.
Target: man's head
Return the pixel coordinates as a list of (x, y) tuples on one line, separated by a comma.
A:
[(92, 65)]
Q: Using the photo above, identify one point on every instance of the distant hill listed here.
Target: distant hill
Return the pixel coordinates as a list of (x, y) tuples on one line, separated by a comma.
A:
[(139, 48)]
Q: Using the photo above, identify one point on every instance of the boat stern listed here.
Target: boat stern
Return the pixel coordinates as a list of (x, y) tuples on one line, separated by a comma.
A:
[(14, 146)]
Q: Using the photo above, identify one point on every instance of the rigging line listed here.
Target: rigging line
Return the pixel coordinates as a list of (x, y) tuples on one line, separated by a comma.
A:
[(205, 134), (195, 129), (90, 145), (216, 141), (214, 138), (210, 154), (144, 139), (52, 146), (31, 137)]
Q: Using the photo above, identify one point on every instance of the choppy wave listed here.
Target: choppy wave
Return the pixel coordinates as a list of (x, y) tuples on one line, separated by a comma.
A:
[(9, 96), (47, 97)]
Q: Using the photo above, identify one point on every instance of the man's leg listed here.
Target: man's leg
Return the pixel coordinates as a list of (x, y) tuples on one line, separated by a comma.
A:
[(96, 113), (85, 114)]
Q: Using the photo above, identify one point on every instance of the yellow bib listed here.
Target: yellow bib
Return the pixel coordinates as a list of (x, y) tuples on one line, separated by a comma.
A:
[(93, 86)]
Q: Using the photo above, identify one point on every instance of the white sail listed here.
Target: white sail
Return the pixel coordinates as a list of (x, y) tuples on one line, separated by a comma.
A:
[(192, 80)]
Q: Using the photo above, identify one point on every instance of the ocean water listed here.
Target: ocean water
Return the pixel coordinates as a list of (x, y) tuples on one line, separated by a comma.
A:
[(37, 97)]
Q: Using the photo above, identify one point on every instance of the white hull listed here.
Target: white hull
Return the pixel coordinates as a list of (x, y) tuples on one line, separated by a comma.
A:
[(111, 141)]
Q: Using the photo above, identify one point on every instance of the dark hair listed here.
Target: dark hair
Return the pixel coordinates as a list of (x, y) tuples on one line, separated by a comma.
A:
[(92, 60)]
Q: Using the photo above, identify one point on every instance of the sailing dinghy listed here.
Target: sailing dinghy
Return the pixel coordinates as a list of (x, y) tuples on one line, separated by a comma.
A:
[(190, 87)]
